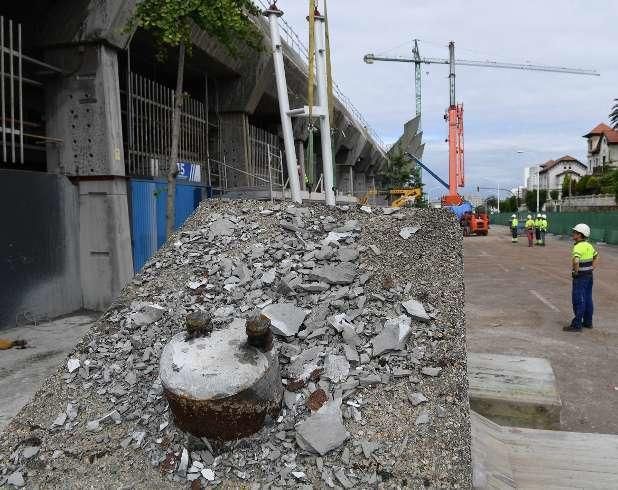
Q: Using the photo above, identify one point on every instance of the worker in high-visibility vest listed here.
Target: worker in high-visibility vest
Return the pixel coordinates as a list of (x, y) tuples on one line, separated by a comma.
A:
[(544, 226), (537, 228), (584, 261), (514, 225), (529, 229)]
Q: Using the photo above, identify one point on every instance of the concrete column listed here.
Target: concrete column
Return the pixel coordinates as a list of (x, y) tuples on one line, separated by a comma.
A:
[(300, 156), (235, 136), (83, 110)]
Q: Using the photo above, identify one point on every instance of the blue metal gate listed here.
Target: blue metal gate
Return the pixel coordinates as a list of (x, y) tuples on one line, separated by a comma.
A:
[(148, 200)]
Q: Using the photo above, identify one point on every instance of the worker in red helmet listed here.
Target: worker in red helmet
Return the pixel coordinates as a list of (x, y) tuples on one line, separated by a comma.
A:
[(584, 261)]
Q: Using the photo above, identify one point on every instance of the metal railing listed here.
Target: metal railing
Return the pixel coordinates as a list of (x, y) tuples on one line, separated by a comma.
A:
[(18, 70), (298, 46), (149, 138)]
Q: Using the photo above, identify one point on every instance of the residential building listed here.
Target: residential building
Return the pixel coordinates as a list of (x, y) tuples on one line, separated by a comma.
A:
[(553, 172), (602, 148), (531, 176)]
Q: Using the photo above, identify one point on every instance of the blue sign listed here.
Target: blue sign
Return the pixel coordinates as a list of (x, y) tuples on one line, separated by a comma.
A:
[(189, 171)]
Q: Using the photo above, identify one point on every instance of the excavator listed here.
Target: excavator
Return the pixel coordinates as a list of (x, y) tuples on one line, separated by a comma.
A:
[(400, 198)]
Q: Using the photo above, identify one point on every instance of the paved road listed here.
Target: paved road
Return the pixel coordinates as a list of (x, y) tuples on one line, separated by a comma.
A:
[(517, 301), (23, 370)]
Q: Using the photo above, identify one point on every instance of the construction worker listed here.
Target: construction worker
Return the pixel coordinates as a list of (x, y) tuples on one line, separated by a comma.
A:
[(529, 229), (544, 226), (537, 228), (514, 225), (584, 261)]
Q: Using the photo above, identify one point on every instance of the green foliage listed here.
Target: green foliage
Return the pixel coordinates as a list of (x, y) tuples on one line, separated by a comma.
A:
[(568, 186), (509, 205), (531, 200), (399, 172), (492, 202), (170, 21), (613, 115), (554, 195)]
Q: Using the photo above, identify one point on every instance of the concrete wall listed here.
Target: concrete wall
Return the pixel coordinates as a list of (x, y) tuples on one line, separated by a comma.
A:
[(39, 250)]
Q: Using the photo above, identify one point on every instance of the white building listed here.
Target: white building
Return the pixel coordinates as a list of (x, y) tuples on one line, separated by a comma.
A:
[(553, 172), (602, 147), (531, 176)]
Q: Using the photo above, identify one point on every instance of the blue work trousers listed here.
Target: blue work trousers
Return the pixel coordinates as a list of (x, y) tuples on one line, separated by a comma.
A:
[(582, 301)]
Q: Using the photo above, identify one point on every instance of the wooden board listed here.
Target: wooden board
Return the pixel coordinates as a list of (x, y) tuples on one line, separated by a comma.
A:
[(509, 457), (514, 390)]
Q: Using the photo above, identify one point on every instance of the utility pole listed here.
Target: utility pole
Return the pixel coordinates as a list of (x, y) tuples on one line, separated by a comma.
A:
[(417, 78), (273, 14), (498, 197), (538, 188)]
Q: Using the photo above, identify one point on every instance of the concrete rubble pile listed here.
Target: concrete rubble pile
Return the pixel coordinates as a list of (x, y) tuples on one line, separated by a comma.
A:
[(368, 325)]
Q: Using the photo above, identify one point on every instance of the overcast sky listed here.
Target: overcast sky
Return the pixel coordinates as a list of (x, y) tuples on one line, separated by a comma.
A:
[(506, 111)]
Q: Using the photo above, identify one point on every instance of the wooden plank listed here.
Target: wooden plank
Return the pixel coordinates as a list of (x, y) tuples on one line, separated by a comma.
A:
[(541, 459), (514, 390)]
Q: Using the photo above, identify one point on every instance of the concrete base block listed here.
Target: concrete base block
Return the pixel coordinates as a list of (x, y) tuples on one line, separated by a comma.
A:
[(515, 391), (105, 236)]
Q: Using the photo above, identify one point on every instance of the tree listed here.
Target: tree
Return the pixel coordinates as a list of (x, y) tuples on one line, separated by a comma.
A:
[(492, 202), (509, 205), (613, 116), (568, 186), (170, 21), (398, 171), (554, 195), (531, 200)]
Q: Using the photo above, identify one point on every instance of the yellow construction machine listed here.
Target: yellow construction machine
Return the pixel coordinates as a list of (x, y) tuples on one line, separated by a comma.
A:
[(400, 198)]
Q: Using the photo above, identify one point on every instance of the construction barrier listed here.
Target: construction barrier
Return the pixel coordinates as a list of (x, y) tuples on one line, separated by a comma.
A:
[(603, 225)]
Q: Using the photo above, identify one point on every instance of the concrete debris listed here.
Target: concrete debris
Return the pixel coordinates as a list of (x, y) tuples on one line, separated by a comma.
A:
[(286, 318), (342, 274), (30, 451), (73, 365), (146, 314), (393, 336), (323, 431), (336, 368), (343, 343), (408, 231), (208, 474), (389, 211), (422, 419), (416, 310), (417, 398), (16, 479), (431, 371), (366, 209)]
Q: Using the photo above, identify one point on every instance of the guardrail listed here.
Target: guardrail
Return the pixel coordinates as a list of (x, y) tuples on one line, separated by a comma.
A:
[(298, 46)]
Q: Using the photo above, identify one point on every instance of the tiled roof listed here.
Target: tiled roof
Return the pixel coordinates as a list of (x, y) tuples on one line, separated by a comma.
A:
[(604, 129), (552, 163)]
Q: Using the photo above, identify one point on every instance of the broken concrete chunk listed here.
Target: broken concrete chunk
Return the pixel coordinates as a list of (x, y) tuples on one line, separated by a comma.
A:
[(417, 398), (351, 353), (184, 464), (336, 368), (30, 451), (422, 419), (208, 474), (341, 478), (431, 371), (286, 318), (145, 313), (408, 231), (343, 273), (376, 250), (393, 336), (222, 227), (347, 254), (269, 276), (369, 448), (73, 365), (323, 431), (388, 211), (416, 310), (16, 479)]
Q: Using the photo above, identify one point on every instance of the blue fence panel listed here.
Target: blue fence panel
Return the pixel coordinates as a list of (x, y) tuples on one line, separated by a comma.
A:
[(148, 203)]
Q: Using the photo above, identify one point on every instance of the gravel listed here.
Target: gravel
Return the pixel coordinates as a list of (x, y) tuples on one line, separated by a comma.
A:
[(354, 416)]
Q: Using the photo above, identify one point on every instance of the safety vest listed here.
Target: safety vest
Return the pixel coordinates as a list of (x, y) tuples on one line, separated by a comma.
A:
[(514, 223), (585, 253), (544, 224), (538, 223), (529, 224)]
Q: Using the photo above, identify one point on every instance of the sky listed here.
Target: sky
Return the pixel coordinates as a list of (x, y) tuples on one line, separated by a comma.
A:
[(512, 118)]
